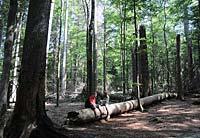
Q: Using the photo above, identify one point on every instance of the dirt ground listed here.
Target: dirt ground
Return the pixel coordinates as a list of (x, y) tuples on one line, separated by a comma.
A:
[(168, 119)]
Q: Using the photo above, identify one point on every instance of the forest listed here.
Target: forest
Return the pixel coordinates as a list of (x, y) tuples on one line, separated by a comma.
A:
[(99, 68)]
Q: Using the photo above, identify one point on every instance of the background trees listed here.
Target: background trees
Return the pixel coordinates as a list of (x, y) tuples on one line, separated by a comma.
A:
[(162, 20)]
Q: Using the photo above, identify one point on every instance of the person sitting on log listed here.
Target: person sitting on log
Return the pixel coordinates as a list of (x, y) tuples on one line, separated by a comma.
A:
[(91, 103), (105, 99)]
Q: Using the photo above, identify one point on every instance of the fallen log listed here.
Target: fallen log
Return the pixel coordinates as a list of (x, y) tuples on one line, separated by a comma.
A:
[(120, 97), (88, 115)]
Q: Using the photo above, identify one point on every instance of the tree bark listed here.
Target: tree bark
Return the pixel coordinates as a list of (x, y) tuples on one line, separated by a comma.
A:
[(64, 54), (189, 46), (5, 86), (199, 34), (143, 64), (94, 70), (59, 55), (90, 62), (124, 48), (88, 49), (29, 118), (4, 82), (75, 59), (166, 47), (1, 23), (55, 59), (122, 54), (88, 115), (153, 86), (104, 52), (48, 43), (12, 96), (178, 69), (135, 62), (86, 11)]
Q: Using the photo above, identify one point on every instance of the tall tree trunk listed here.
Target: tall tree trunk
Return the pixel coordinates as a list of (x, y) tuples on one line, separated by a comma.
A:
[(55, 60), (76, 59), (189, 46), (153, 87), (29, 118), (48, 43), (64, 54), (124, 49), (95, 72), (17, 60), (59, 55), (127, 71), (90, 50), (75, 70), (104, 53), (178, 69), (1, 31), (121, 54), (1, 23), (84, 79), (71, 64), (199, 35), (136, 61), (85, 68), (4, 82), (143, 63), (166, 47)]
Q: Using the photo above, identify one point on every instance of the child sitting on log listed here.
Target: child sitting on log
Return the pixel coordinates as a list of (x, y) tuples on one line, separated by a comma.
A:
[(105, 99), (91, 103)]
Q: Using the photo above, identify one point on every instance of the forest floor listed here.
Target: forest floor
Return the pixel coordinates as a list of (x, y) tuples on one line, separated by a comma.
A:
[(167, 119)]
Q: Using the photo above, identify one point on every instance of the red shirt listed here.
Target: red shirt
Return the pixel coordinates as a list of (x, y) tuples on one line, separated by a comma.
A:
[(92, 100)]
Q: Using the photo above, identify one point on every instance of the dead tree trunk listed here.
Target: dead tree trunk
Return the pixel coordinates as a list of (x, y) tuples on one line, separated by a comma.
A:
[(143, 63), (95, 59), (89, 50), (88, 115), (178, 68), (189, 46), (90, 57), (135, 71)]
